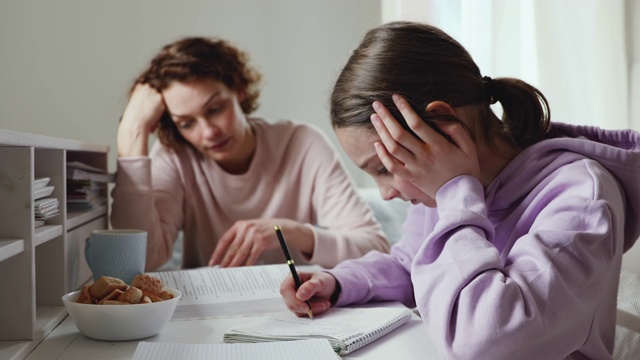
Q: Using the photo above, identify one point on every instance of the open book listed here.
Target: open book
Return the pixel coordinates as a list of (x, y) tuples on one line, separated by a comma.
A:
[(211, 292), (347, 329)]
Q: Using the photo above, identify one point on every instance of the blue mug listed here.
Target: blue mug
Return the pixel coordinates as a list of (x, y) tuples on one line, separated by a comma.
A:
[(119, 253)]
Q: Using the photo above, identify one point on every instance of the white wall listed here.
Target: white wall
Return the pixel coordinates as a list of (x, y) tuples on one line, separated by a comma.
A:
[(66, 66)]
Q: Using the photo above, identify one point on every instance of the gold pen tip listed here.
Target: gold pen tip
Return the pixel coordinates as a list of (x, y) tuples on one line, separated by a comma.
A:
[(310, 314), (277, 228)]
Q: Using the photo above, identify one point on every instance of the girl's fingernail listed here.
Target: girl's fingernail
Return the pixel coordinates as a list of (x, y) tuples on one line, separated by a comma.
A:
[(375, 119), (376, 106), (396, 97)]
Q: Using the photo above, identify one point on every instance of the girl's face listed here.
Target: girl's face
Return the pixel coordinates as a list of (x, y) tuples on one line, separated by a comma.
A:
[(208, 115), (358, 144)]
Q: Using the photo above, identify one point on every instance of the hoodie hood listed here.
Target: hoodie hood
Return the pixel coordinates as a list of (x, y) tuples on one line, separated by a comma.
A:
[(617, 150)]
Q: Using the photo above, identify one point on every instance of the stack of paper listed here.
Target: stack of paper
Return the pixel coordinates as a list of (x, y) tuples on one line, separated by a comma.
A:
[(85, 186), (44, 208)]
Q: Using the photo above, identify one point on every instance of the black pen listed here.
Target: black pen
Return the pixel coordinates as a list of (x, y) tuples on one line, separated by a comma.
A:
[(292, 267)]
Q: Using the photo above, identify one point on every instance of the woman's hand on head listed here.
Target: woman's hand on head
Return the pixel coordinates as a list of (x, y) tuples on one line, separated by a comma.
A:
[(317, 288), (140, 118), (430, 160), (246, 240)]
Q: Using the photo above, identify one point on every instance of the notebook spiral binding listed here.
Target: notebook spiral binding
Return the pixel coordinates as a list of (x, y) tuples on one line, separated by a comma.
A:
[(355, 342)]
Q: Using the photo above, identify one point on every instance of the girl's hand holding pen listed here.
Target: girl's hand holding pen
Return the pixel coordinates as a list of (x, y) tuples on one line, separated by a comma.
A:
[(316, 288)]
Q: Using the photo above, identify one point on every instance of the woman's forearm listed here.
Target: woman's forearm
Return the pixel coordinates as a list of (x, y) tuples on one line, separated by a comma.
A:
[(132, 141)]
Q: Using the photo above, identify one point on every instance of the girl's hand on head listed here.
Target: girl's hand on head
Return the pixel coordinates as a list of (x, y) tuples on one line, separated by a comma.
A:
[(317, 288), (428, 161), (141, 117)]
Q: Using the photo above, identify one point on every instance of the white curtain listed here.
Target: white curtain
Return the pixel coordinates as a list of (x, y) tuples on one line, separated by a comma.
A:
[(632, 9), (582, 54)]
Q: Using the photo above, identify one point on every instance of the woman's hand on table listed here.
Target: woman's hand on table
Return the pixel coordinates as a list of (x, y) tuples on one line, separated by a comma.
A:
[(246, 240)]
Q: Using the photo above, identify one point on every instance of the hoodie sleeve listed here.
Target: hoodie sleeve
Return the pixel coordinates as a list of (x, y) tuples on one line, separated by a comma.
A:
[(385, 277), (152, 204), (539, 299)]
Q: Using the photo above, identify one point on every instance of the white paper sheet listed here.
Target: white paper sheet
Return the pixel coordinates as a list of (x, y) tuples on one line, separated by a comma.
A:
[(315, 349), (218, 292)]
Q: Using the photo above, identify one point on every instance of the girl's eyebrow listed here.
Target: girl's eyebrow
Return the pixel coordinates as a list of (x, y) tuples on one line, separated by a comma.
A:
[(213, 96)]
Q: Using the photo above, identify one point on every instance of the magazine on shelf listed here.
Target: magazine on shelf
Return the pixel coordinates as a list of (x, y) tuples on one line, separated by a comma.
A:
[(45, 204), (42, 192), (78, 174), (40, 182), (80, 171)]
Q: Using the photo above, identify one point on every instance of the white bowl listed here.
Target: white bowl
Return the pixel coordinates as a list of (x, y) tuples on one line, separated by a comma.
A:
[(120, 322)]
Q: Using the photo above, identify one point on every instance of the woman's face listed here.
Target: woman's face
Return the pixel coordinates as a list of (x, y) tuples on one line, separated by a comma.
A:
[(209, 116), (358, 144)]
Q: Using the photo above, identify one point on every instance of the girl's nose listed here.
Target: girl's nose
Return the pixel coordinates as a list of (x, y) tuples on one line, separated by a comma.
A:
[(388, 192)]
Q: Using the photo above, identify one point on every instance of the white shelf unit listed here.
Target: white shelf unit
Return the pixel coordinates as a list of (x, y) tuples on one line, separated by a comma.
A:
[(40, 264)]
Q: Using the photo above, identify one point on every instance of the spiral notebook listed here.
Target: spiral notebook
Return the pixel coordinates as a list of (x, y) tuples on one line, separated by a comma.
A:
[(347, 329)]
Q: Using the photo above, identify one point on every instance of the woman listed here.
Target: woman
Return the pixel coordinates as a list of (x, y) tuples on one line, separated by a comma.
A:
[(513, 247), (224, 178)]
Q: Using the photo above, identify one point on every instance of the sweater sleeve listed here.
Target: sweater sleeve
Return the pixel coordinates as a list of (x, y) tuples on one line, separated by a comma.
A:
[(148, 195), (346, 227), (535, 301)]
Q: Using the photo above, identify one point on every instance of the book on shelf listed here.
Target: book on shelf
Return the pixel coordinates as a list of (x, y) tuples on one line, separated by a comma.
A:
[(85, 194), (82, 166), (77, 170), (347, 329), (211, 292), (79, 174), (315, 349)]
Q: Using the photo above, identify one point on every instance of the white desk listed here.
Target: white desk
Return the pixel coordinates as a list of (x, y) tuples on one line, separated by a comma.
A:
[(410, 341)]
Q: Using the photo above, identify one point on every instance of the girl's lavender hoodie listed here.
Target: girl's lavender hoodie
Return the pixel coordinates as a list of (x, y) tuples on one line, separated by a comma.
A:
[(527, 268)]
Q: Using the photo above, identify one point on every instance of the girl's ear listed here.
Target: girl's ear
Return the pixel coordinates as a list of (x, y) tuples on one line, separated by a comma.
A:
[(439, 108)]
